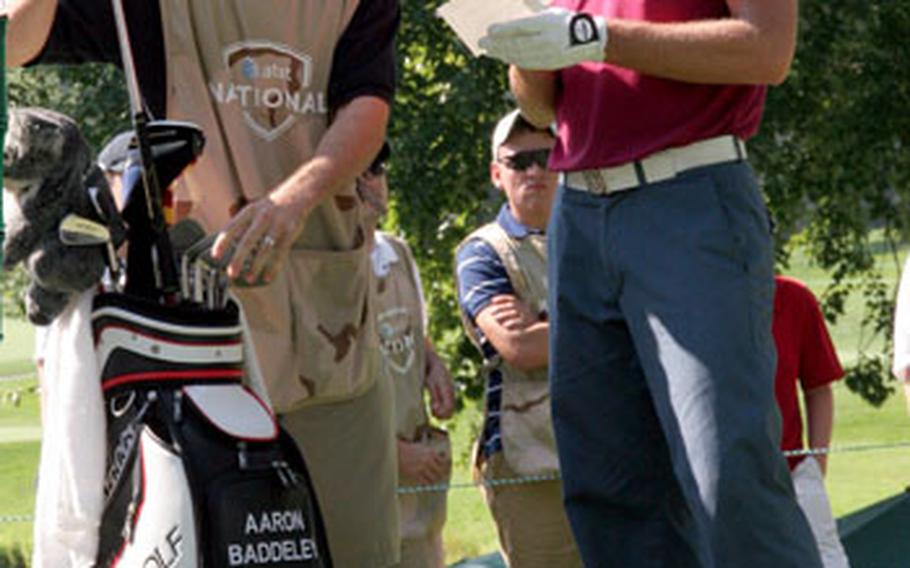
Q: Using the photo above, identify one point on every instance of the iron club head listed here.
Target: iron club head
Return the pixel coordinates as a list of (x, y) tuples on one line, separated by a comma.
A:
[(78, 231)]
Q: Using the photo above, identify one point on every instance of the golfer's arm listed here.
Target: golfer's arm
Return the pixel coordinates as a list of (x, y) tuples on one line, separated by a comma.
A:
[(755, 45), (535, 92), (28, 28), (347, 148)]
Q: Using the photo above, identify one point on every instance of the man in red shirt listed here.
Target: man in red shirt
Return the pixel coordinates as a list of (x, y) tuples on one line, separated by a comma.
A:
[(806, 356), (661, 278)]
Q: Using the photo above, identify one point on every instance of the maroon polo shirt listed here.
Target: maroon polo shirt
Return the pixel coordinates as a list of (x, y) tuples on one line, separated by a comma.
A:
[(607, 115)]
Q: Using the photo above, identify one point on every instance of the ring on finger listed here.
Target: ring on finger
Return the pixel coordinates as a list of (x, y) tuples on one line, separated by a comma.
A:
[(267, 241)]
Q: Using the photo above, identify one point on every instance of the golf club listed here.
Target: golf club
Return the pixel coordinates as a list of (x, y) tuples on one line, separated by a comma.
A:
[(77, 231)]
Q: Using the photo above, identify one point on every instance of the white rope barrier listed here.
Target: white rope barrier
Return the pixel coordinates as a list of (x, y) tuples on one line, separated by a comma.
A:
[(6, 519), (445, 487)]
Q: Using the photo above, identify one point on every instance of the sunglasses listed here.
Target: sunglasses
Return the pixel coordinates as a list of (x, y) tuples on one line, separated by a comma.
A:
[(520, 161), (376, 169)]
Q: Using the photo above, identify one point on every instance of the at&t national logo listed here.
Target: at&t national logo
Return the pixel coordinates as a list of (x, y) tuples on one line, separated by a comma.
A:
[(271, 83)]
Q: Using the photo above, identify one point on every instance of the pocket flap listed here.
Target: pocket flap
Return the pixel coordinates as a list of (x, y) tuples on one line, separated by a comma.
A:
[(234, 410)]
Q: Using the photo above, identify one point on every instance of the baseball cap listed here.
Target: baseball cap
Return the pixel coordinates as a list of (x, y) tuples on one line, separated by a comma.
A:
[(113, 156), (507, 126)]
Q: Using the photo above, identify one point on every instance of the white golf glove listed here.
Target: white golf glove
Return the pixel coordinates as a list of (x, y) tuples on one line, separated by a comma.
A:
[(553, 39)]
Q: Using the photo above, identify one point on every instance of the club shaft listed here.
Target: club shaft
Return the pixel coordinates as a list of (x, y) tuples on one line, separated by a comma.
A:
[(126, 54)]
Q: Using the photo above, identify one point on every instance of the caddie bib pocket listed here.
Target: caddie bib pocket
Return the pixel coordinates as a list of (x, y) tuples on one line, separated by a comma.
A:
[(528, 442), (337, 345)]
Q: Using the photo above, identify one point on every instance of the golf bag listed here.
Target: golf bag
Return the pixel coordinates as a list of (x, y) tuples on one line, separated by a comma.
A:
[(199, 473)]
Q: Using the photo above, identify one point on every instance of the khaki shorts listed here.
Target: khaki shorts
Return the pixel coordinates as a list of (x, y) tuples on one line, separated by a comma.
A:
[(350, 450), (530, 518)]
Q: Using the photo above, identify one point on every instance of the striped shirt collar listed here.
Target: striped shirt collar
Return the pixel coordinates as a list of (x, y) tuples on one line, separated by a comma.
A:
[(513, 227)]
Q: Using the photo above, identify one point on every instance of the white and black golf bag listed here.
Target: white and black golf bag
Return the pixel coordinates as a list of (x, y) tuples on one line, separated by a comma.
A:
[(199, 473)]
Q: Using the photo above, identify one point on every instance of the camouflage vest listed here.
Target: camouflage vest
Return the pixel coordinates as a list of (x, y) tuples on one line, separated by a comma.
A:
[(255, 78), (399, 321), (526, 428), (401, 342)]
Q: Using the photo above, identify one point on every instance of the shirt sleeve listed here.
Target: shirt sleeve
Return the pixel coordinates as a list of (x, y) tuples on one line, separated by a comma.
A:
[(364, 60), (481, 276), (819, 364), (83, 31)]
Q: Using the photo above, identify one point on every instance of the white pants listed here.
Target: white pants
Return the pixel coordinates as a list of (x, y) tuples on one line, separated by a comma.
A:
[(813, 499)]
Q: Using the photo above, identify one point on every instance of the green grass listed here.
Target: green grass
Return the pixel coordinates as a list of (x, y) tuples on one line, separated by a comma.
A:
[(15, 419), (18, 464), (858, 479), (17, 348), (847, 333), (469, 529), (19, 428)]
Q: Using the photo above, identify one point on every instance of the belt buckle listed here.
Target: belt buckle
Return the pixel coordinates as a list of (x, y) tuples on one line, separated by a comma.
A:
[(595, 182)]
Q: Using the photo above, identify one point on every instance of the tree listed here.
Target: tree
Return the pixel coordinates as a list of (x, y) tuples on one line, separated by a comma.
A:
[(834, 159), (94, 95)]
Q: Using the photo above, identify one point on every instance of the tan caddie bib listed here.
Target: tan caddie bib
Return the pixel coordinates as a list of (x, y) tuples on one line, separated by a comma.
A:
[(254, 76), (401, 341), (399, 318)]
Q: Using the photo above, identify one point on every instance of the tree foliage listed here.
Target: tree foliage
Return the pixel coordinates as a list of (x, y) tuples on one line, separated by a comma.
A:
[(834, 157), (94, 95)]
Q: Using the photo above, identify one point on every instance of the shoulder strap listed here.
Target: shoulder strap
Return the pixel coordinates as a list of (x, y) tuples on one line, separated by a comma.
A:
[(505, 247), (494, 235)]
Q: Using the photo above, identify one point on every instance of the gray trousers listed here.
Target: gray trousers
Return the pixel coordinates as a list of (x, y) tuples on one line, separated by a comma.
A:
[(662, 374)]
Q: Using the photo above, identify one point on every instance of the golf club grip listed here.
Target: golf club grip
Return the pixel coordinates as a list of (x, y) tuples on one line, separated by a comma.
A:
[(167, 266)]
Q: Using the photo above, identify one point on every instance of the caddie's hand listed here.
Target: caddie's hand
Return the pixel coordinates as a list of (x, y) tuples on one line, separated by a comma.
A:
[(257, 241), (439, 383), (421, 463), (553, 39)]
